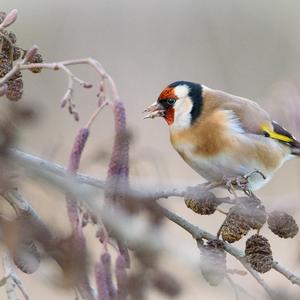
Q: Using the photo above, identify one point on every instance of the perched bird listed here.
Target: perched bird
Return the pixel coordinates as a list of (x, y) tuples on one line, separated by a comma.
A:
[(221, 135)]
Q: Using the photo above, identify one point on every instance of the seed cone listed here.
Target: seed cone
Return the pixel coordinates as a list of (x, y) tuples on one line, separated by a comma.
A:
[(259, 254), (27, 257), (254, 211), (282, 224), (14, 89), (234, 227), (5, 65), (12, 37), (8, 41), (248, 213), (203, 203), (213, 262), (17, 53), (36, 59)]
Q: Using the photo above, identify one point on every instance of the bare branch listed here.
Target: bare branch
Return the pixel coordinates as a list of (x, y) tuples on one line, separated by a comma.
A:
[(138, 233), (286, 273), (63, 66), (34, 162), (12, 281), (238, 290)]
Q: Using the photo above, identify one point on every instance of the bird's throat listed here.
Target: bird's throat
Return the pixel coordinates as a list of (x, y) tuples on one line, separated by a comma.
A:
[(169, 115)]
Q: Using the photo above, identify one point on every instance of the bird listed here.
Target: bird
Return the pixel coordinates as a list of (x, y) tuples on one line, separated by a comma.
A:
[(220, 135)]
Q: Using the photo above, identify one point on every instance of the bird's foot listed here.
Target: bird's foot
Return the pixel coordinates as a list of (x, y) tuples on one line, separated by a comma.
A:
[(241, 182), (233, 182)]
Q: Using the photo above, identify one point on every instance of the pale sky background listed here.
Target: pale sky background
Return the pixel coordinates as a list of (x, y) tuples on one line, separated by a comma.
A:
[(248, 48)]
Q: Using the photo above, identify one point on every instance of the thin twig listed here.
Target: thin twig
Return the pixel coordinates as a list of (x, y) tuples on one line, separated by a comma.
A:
[(95, 114), (234, 287), (10, 285), (34, 162), (62, 65), (12, 281), (238, 289), (137, 232), (286, 273)]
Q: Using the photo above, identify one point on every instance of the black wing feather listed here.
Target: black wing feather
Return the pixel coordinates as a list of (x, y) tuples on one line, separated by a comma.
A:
[(295, 144), (281, 130)]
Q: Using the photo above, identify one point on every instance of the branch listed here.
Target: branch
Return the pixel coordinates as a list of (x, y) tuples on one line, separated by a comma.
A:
[(136, 232), (22, 207), (199, 234), (62, 65), (35, 163), (12, 281), (107, 86), (238, 289), (286, 273)]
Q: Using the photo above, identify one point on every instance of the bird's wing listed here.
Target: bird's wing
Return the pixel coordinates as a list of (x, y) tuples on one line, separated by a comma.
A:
[(281, 134), (256, 120)]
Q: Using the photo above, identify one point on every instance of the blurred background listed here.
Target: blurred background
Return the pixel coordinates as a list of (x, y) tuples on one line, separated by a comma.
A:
[(247, 48)]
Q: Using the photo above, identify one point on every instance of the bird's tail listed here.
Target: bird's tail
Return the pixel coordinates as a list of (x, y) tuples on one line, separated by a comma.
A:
[(295, 147)]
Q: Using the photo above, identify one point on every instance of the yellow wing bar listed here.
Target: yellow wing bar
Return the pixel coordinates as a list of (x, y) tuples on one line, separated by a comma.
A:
[(274, 135)]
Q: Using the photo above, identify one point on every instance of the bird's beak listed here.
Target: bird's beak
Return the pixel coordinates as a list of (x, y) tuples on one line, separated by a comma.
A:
[(154, 110)]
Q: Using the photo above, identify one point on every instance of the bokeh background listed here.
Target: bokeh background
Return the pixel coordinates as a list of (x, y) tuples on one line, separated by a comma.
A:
[(248, 48)]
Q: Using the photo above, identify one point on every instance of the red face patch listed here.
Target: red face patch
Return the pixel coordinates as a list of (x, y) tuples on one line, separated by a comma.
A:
[(167, 93), (169, 115)]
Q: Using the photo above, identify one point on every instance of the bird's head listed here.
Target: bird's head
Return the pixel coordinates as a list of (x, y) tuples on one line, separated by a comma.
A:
[(180, 104)]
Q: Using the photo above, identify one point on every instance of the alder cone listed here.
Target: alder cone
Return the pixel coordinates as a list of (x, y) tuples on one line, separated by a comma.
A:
[(12, 37), (213, 262), (234, 227), (202, 207), (254, 211), (282, 224), (259, 254), (36, 59), (203, 203), (14, 89), (5, 65), (8, 42), (27, 257), (17, 53)]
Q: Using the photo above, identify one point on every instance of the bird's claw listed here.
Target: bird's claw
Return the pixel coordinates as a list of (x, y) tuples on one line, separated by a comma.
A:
[(241, 182), (237, 181)]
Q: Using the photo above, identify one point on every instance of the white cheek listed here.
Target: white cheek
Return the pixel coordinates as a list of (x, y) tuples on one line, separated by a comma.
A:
[(182, 117)]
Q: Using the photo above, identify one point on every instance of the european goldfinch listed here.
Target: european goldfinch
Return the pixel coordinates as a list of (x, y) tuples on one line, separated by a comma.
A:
[(221, 135)]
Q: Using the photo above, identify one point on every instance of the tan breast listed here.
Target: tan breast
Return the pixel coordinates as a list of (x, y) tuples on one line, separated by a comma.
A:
[(208, 136)]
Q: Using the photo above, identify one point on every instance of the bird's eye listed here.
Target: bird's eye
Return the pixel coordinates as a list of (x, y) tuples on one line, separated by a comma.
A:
[(171, 101)]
